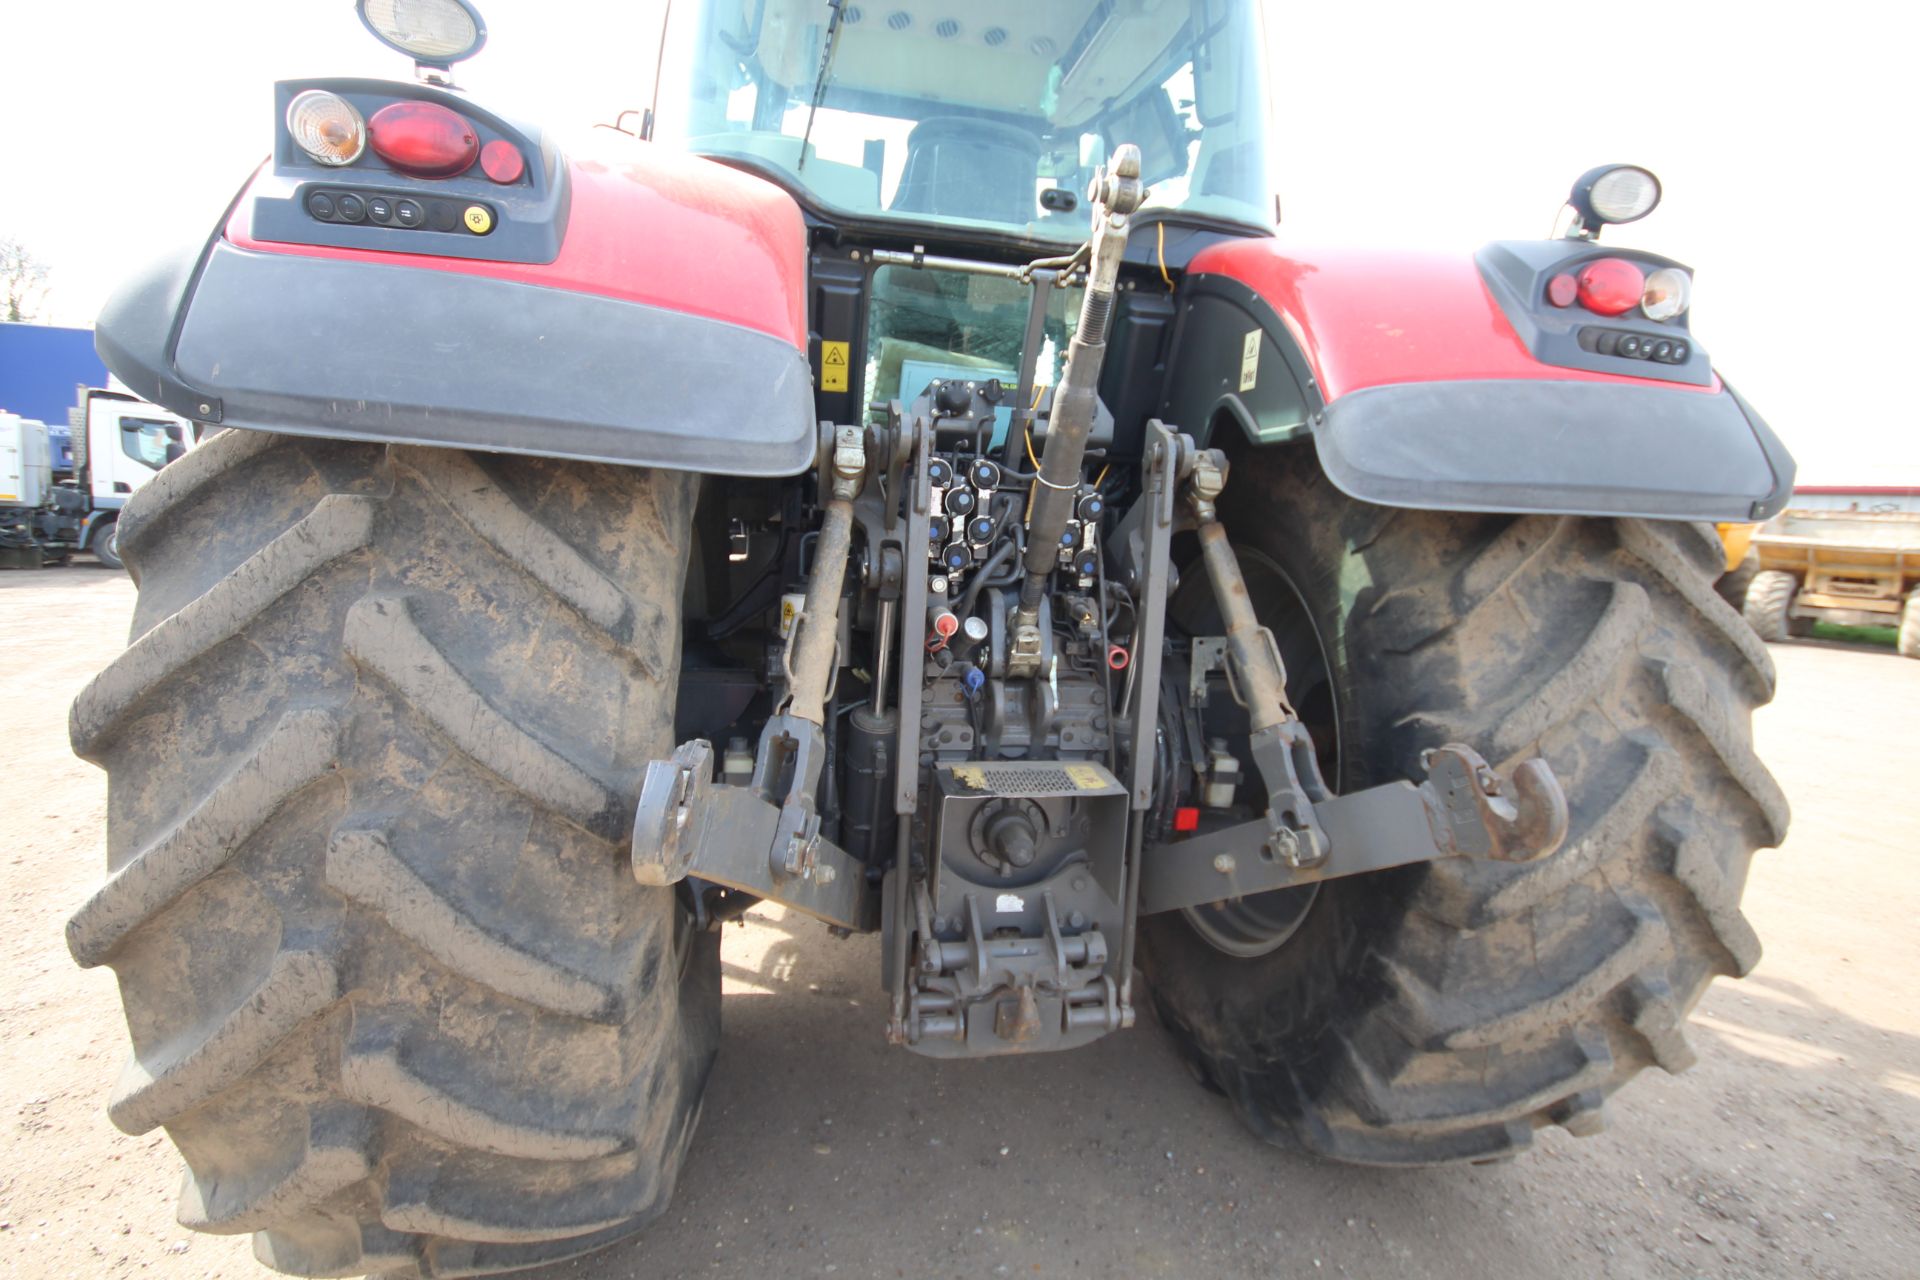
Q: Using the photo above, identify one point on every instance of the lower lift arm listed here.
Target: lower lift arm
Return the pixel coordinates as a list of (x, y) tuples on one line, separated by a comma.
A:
[(764, 838), (1462, 807)]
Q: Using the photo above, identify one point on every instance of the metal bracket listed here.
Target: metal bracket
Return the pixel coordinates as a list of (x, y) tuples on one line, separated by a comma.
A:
[(1464, 809), (1284, 755), (1209, 654), (992, 994), (673, 795), (687, 825), (1148, 561), (1165, 452), (906, 782)]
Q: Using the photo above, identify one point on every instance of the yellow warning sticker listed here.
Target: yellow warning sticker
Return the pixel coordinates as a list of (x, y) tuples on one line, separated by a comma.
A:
[(833, 365), (1085, 777)]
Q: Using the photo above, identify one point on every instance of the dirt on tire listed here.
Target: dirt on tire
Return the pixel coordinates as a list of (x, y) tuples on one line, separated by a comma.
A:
[(1446, 1012), (371, 757)]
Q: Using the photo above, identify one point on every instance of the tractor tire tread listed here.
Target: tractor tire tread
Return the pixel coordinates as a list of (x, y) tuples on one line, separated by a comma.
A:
[(392, 991), (1498, 998)]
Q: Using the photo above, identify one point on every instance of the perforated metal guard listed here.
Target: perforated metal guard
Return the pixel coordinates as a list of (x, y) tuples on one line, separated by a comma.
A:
[(1032, 778), (1025, 779)]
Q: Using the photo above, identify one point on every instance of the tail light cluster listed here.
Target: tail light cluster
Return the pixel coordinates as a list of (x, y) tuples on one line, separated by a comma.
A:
[(1615, 286), (421, 139)]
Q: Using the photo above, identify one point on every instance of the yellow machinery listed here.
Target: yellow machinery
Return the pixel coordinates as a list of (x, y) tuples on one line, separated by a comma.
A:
[(1848, 567)]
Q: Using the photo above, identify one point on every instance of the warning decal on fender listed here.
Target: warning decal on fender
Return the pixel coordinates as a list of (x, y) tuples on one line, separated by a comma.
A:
[(833, 365), (1250, 360)]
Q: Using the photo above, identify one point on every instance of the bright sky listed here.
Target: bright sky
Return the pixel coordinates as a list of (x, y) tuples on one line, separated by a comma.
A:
[(1783, 137)]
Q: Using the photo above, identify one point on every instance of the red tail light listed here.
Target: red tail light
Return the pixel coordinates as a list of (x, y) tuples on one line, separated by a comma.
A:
[(502, 161), (423, 138), (1611, 286)]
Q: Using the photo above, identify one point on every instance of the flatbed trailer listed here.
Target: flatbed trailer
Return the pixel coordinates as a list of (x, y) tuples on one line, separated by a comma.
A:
[(1853, 568)]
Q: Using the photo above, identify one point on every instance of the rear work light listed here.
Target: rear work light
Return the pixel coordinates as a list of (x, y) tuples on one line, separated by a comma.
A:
[(423, 139), (1611, 286), (1624, 193), (327, 127)]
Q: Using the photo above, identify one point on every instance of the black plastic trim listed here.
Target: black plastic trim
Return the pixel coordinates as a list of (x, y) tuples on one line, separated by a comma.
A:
[(1215, 313), (138, 328), (1572, 448), (368, 351)]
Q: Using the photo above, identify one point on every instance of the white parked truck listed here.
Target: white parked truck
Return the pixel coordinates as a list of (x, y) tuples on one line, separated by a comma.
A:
[(119, 443)]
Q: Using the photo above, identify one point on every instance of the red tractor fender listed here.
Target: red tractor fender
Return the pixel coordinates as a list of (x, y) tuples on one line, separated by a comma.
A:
[(643, 308), (1448, 382), (1365, 318), (655, 227)]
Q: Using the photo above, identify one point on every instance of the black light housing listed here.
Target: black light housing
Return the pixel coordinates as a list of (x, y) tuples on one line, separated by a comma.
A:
[(434, 33), (1612, 193)]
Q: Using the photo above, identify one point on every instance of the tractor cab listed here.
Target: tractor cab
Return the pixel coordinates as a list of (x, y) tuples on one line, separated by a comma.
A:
[(981, 121), (937, 151)]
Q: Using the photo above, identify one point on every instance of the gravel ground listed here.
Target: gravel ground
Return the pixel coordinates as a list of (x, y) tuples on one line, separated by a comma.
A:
[(1792, 1149)]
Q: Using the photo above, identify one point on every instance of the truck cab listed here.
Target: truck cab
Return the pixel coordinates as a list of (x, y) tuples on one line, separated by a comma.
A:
[(126, 442), (119, 443)]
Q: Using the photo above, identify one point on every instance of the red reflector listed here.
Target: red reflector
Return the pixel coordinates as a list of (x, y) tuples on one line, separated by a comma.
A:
[(501, 161), (1562, 290), (1611, 286), (1185, 819), (423, 138)]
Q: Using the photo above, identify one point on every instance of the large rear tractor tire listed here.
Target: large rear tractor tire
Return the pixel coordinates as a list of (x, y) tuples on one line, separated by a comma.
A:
[(1909, 638), (1769, 600), (371, 759), (1445, 1012)]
